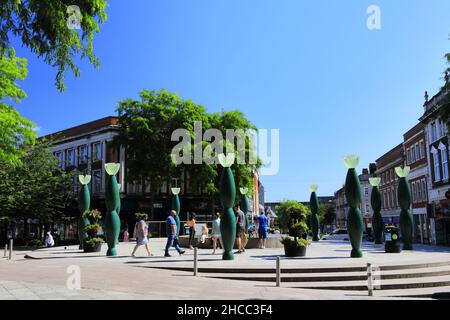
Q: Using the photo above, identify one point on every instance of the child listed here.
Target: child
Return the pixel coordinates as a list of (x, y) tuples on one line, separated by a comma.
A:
[(204, 233)]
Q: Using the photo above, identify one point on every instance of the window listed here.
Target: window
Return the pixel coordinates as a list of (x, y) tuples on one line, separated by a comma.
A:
[(416, 148), (433, 132), (71, 157), (96, 181), (82, 154), (424, 191), (441, 128), (444, 158), (422, 149), (60, 156), (437, 173), (419, 191), (175, 183), (97, 151), (408, 158), (413, 154), (367, 208), (366, 191), (415, 196)]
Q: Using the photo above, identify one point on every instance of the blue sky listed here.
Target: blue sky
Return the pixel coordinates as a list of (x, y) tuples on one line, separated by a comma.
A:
[(311, 69)]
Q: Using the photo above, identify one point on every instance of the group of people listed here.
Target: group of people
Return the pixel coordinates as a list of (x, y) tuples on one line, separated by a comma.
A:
[(141, 232)]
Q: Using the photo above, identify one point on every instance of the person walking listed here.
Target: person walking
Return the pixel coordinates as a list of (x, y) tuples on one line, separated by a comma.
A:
[(215, 234), (126, 234), (240, 228), (191, 224), (140, 233), (49, 241), (171, 231), (262, 230)]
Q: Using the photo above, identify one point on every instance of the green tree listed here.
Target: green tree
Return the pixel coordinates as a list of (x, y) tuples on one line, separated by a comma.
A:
[(289, 208), (42, 26), (37, 188), (146, 131), (327, 215), (445, 107), (15, 130)]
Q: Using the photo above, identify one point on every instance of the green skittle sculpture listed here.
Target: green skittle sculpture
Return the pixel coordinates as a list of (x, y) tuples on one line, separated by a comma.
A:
[(112, 220), (353, 195), (244, 205), (227, 196), (176, 207), (377, 220), (314, 205), (404, 199), (84, 204)]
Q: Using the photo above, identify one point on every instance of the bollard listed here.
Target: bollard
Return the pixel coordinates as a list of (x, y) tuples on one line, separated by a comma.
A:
[(369, 279), (10, 248), (6, 250), (278, 272), (195, 260)]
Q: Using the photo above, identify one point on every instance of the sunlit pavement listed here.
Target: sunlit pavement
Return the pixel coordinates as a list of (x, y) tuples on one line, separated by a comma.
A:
[(46, 272)]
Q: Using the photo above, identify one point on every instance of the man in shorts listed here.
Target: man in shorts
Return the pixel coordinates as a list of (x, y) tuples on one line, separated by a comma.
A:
[(262, 229)]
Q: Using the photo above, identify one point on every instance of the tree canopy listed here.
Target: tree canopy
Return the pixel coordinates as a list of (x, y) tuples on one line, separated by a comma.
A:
[(37, 188), (146, 133), (445, 108), (15, 130), (42, 26)]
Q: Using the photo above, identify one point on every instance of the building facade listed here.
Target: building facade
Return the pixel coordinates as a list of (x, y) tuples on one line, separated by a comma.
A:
[(87, 147), (390, 209), (437, 152), (416, 158)]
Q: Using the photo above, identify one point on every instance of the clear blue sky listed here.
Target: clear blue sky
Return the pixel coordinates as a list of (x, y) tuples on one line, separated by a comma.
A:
[(309, 68)]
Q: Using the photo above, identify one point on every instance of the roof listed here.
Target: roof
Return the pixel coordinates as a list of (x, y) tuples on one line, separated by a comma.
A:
[(83, 129)]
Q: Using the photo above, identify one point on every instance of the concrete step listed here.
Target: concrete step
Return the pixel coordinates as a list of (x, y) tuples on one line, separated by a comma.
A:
[(336, 276), (361, 268), (438, 281)]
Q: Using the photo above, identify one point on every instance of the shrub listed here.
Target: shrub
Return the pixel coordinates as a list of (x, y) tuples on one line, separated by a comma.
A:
[(92, 229), (93, 215), (35, 243), (299, 242)]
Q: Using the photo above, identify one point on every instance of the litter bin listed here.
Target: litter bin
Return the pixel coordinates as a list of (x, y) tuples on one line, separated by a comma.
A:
[(392, 239)]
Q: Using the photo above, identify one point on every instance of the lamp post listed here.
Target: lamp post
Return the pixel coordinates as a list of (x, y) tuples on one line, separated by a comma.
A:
[(353, 195), (84, 204), (112, 199), (404, 199), (227, 196), (176, 207), (314, 205), (375, 201)]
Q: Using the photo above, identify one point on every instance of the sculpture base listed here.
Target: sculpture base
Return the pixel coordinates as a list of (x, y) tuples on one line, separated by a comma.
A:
[(407, 247), (111, 252), (356, 253), (228, 255)]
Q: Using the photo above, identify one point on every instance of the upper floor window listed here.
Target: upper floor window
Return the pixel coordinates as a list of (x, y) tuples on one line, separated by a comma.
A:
[(442, 129), (97, 151), (82, 154), (433, 132), (366, 191), (424, 191), (422, 149), (444, 158), (416, 150), (60, 156), (437, 173), (408, 156), (71, 157)]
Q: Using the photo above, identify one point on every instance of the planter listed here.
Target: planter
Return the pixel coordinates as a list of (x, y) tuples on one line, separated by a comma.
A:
[(97, 247), (293, 250)]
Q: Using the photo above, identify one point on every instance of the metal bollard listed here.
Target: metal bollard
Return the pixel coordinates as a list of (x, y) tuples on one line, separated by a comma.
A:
[(278, 272), (370, 279), (10, 248), (6, 250), (195, 260)]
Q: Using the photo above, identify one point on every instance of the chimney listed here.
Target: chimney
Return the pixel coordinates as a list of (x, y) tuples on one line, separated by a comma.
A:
[(426, 97)]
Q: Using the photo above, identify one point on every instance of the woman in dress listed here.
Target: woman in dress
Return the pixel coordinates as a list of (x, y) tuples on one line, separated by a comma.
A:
[(140, 233), (215, 235)]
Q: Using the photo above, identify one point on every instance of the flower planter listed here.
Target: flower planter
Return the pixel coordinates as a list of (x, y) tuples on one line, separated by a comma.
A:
[(97, 247), (294, 250)]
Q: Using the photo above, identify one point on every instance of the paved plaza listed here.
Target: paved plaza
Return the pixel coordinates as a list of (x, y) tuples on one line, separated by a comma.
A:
[(44, 273)]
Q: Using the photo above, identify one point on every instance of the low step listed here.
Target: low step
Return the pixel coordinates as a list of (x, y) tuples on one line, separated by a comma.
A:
[(336, 276), (307, 270)]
